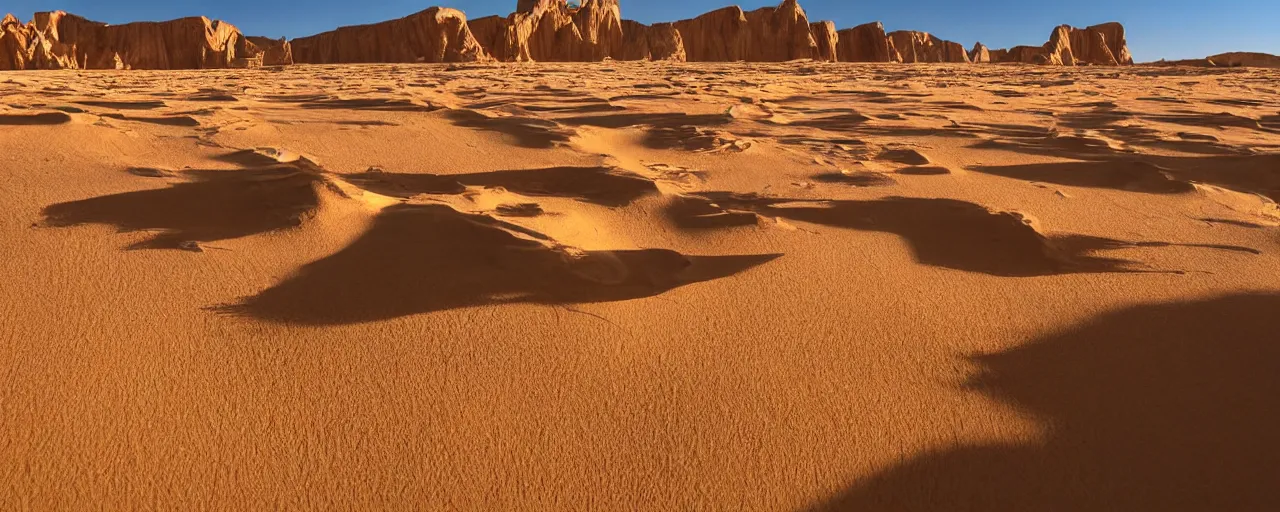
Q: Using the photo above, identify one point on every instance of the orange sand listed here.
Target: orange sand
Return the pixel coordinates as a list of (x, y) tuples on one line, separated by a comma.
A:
[(640, 287)]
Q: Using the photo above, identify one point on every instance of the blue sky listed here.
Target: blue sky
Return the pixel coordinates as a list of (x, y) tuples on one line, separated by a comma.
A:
[(1157, 29)]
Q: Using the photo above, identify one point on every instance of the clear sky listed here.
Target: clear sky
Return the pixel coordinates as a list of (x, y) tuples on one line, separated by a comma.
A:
[(1172, 29)]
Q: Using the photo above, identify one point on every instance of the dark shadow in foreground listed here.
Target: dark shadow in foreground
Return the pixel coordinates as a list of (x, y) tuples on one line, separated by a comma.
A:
[(1165, 407), (424, 258)]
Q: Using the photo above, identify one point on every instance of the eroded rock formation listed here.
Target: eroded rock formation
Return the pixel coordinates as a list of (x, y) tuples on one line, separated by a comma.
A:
[(1099, 45), (864, 43), (185, 43), (26, 47), (768, 34), (539, 30), (660, 41), (275, 52), (824, 33), (549, 30), (437, 34), (915, 46), (979, 54)]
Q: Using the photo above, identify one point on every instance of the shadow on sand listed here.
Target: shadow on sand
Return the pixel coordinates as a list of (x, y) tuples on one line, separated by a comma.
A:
[(215, 205), (941, 232), (1169, 407), (604, 186), (424, 258), (1258, 174)]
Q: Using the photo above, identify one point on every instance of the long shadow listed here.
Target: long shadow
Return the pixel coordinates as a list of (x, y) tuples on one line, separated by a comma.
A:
[(941, 232), (1156, 174), (423, 258), (41, 119), (215, 205), (124, 105), (604, 186), (669, 120), (527, 131), (376, 104), (1169, 407), (184, 121)]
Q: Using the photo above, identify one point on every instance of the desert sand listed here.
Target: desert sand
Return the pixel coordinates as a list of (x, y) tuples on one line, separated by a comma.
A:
[(640, 286)]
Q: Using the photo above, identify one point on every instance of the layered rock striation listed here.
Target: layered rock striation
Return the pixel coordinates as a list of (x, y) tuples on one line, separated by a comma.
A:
[(538, 30), (437, 34)]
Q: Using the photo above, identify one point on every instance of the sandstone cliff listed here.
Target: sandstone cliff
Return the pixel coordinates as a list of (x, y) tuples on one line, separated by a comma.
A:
[(185, 43), (660, 41), (1099, 45), (768, 34), (924, 47), (15, 41), (864, 43), (1245, 59), (979, 54), (824, 33), (437, 34), (551, 31), (274, 52), (600, 24)]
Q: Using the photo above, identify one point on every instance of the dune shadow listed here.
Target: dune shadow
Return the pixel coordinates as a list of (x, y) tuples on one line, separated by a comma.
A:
[(183, 121), (856, 179), (41, 119), (376, 104), (423, 258), (124, 105), (1132, 175), (214, 205), (1206, 120), (660, 120), (605, 186), (527, 131), (941, 232), (1257, 174), (1167, 407)]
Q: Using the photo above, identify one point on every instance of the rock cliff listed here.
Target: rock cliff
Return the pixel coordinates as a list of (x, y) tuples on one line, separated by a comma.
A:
[(1099, 45), (915, 46), (274, 52), (185, 43), (979, 54), (824, 33), (768, 34), (437, 34), (660, 41), (864, 43)]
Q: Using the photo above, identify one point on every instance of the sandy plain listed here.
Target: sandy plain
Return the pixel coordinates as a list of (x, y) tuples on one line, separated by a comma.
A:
[(640, 286)]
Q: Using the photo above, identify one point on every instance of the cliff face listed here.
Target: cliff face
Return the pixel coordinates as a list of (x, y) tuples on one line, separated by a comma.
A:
[(274, 52), (660, 41), (768, 34), (435, 35), (539, 30), (864, 43), (1099, 45), (600, 24), (979, 54), (185, 43), (1102, 45), (824, 33), (915, 46)]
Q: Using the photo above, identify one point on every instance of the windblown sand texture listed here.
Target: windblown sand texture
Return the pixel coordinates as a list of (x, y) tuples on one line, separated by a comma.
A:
[(640, 286)]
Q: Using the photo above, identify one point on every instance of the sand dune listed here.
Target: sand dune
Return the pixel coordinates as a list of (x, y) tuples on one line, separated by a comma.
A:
[(657, 286)]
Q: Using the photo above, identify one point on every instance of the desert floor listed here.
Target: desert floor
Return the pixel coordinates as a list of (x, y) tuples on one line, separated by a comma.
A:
[(629, 286)]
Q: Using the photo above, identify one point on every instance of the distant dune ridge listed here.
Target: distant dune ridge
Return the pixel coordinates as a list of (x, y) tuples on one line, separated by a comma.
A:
[(539, 30)]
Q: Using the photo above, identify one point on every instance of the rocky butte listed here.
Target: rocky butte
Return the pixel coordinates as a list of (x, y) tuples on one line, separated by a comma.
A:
[(537, 31)]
